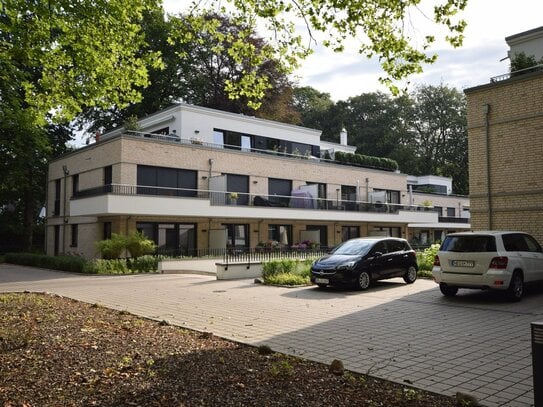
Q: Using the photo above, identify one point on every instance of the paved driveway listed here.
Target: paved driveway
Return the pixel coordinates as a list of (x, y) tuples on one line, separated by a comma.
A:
[(475, 343)]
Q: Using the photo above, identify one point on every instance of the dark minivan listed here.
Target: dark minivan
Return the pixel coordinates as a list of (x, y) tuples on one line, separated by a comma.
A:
[(358, 262)]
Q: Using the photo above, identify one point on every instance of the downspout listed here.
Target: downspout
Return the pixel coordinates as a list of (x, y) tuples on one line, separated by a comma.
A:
[(486, 111), (65, 218)]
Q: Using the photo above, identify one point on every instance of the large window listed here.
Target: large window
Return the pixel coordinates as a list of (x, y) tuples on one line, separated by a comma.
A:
[(281, 234), (75, 232), (238, 235), (279, 190), (240, 184), (171, 238), (167, 181), (349, 232), (75, 184), (323, 233), (56, 208), (232, 139)]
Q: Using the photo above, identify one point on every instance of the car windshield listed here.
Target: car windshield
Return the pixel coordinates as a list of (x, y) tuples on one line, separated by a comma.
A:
[(469, 244), (353, 247)]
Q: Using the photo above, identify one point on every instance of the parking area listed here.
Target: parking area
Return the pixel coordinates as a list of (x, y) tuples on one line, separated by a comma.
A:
[(475, 343)]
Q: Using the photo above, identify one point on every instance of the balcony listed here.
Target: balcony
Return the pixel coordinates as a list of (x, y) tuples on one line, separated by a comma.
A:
[(161, 201)]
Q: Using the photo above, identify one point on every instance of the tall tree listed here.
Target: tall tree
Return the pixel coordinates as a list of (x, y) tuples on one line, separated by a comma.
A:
[(381, 28), (312, 105), (199, 68), (58, 57), (440, 124)]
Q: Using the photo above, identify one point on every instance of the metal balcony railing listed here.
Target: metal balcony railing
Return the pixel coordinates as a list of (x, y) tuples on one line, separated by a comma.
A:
[(513, 74)]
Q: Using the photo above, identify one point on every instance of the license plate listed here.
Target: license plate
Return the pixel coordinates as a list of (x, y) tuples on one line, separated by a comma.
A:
[(463, 263), (321, 281)]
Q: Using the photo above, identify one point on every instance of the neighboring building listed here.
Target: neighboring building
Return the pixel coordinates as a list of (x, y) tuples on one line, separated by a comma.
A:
[(505, 140), (528, 42), (453, 210), (197, 180)]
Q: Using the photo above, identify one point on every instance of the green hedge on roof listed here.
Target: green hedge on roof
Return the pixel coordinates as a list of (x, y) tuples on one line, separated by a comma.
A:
[(366, 161)]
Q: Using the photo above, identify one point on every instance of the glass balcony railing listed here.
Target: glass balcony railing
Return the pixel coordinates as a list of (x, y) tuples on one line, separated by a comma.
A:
[(225, 198)]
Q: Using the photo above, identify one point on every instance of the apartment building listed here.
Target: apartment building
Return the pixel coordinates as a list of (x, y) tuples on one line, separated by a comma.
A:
[(198, 180), (505, 139)]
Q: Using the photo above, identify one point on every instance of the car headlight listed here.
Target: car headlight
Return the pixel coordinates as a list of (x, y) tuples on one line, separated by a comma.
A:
[(346, 266)]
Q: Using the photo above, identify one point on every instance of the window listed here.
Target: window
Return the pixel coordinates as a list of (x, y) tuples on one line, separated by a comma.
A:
[(451, 212), (323, 233), (166, 181), (56, 208), (108, 175), (348, 197), (171, 238), (279, 190), (232, 140), (392, 197), (439, 210), (107, 231), (56, 240), (469, 244), (395, 246), (75, 184), (350, 232), (74, 236), (163, 131), (238, 235), (240, 184), (387, 231), (280, 233)]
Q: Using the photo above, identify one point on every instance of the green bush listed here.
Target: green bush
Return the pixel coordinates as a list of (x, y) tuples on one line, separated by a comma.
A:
[(286, 279), (138, 245), (144, 264), (108, 266), (366, 161), (65, 263), (112, 248), (425, 259), (286, 272)]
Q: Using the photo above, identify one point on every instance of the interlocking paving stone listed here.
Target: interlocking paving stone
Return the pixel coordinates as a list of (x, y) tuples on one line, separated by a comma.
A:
[(475, 343)]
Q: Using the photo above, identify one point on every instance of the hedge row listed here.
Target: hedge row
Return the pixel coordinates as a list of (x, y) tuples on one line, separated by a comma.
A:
[(143, 264), (64, 263), (366, 161)]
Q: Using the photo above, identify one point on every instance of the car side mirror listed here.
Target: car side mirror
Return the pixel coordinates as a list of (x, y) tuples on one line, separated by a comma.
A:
[(377, 254)]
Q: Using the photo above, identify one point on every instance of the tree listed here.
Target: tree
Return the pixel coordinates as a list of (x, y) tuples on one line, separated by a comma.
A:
[(521, 61), (58, 57), (312, 106), (440, 124), (381, 28), (200, 71)]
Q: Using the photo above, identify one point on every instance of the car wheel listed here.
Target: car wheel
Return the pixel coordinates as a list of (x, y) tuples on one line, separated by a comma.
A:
[(448, 290), (363, 281), (320, 285), (410, 275), (516, 287)]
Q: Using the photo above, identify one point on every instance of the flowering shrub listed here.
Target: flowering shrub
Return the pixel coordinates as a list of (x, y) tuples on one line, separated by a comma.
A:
[(306, 244)]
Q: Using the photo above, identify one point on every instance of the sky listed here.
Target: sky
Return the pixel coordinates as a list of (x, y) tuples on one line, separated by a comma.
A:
[(489, 22)]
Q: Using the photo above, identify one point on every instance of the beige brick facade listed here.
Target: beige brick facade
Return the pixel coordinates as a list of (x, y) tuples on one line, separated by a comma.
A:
[(505, 130), (122, 154)]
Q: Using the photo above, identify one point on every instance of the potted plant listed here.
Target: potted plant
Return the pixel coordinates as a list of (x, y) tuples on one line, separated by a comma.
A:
[(233, 198)]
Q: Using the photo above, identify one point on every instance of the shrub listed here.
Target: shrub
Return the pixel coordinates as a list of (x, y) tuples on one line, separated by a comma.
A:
[(64, 263), (144, 264), (425, 259), (112, 248), (286, 272), (108, 266), (138, 245), (286, 279)]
